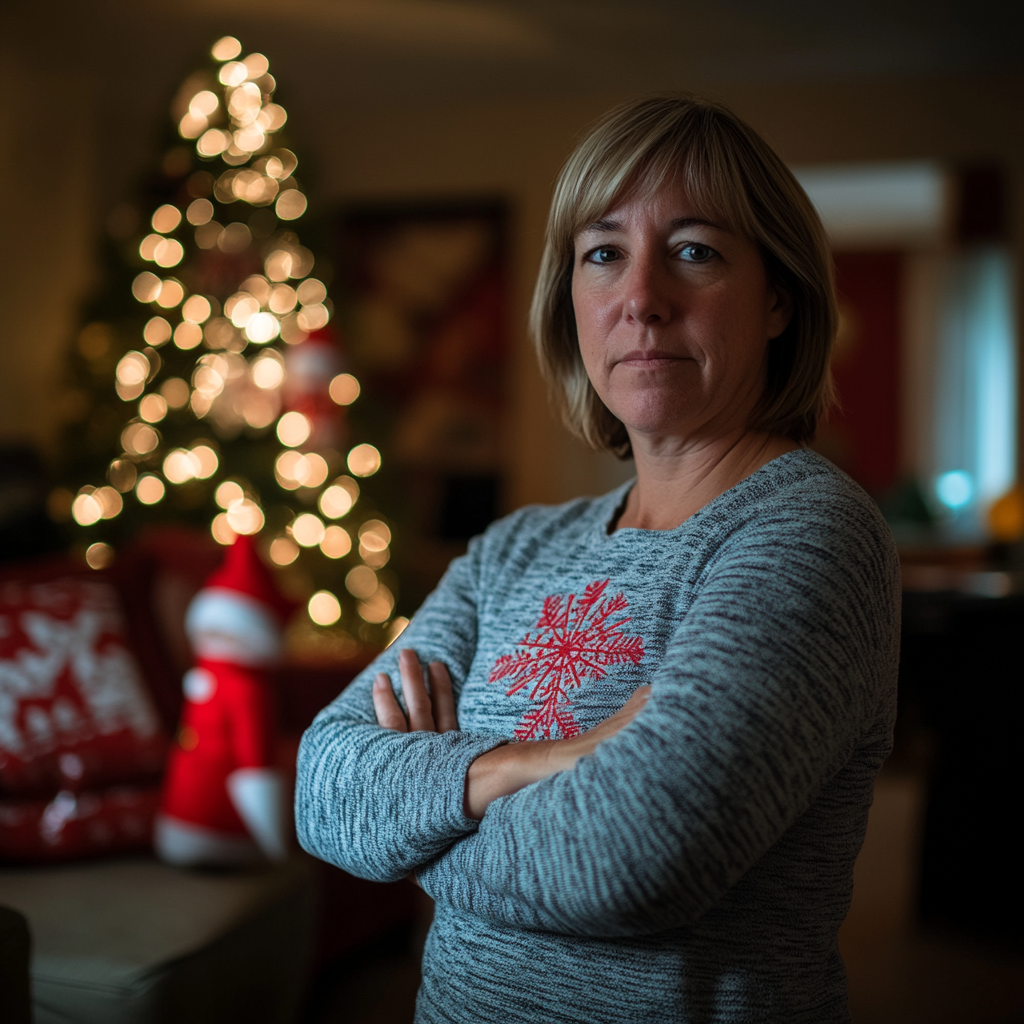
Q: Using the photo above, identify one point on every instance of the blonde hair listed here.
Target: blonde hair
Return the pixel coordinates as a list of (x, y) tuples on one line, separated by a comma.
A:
[(734, 179)]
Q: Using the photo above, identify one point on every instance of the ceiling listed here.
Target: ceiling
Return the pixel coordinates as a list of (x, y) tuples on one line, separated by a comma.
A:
[(383, 51), (125, 58)]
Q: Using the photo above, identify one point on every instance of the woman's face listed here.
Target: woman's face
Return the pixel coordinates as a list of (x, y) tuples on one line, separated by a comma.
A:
[(674, 315)]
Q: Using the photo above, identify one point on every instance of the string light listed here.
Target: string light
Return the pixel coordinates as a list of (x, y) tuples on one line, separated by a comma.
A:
[(324, 608), (283, 551), (233, 122), (344, 389), (150, 489), (99, 555), (293, 429), (157, 331), (166, 218), (363, 460), (307, 530)]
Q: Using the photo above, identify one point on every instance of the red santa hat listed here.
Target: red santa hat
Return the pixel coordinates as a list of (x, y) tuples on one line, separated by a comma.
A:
[(244, 572), (239, 614)]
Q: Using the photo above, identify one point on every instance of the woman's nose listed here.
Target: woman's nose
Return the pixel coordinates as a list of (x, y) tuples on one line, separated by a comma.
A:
[(647, 299)]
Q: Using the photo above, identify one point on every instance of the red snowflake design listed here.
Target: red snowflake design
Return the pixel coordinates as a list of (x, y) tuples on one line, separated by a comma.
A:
[(576, 640)]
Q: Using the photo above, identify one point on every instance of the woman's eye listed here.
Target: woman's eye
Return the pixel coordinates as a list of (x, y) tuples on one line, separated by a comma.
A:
[(603, 255), (694, 252)]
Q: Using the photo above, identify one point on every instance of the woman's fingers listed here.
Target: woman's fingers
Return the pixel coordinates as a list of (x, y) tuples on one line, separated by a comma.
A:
[(385, 704), (414, 689), (441, 697), (637, 700)]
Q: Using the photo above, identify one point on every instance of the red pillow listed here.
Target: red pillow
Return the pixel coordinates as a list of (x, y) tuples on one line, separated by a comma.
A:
[(74, 712), (72, 826)]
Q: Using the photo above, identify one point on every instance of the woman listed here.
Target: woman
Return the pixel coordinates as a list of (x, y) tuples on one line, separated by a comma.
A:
[(706, 656)]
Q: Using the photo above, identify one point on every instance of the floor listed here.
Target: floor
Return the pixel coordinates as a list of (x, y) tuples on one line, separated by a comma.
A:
[(898, 974)]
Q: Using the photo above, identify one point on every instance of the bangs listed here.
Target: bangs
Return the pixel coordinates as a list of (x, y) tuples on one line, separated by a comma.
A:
[(638, 157)]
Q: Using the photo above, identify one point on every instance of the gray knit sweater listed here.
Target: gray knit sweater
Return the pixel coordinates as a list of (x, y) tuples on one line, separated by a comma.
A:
[(697, 867)]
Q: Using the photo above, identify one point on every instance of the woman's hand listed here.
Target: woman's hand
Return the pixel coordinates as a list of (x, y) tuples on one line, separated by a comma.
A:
[(510, 768), (506, 769), (429, 711)]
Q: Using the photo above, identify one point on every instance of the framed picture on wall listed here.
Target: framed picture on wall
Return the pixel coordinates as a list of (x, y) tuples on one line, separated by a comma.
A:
[(421, 291)]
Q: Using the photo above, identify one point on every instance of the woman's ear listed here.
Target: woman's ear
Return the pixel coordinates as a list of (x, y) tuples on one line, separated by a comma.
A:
[(779, 309)]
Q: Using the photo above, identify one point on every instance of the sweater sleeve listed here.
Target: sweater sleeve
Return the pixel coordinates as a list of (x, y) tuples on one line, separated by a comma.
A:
[(381, 803), (783, 662)]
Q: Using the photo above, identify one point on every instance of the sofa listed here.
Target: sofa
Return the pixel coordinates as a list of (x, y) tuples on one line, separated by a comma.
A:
[(122, 938)]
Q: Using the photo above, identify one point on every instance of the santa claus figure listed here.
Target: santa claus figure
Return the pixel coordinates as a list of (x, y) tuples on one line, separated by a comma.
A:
[(223, 801)]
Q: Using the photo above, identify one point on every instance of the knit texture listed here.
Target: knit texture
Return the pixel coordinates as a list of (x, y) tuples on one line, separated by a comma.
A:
[(697, 867)]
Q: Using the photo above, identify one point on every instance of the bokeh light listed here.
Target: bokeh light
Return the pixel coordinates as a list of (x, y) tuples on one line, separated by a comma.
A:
[(336, 542), (260, 410), (256, 65), (150, 489), (122, 474), (234, 73), (312, 318), (99, 555), (146, 287), (283, 551), (361, 581), (180, 466), (245, 517), (153, 408), (282, 299), (291, 204), (307, 530), (339, 498), (268, 372), (208, 235), (344, 389), (169, 253), (139, 439), (187, 335), (133, 368), (228, 493), (196, 309), (363, 460), (378, 607), (109, 500), (396, 629), (147, 247), (374, 535), (293, 429), (170, 294), (262, 327), (203, 104), (311, 291), (236, 237), (221, 529), (324, 608), (175, 392), (157, 331), (213, 142), (199, 212), (166, 218), (226, 48), (955, 489), (241, 308), (207, 459), (86, 509), (272, 118)]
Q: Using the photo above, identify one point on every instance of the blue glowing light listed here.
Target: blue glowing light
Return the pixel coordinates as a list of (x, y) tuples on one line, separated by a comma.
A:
[(954, 489)]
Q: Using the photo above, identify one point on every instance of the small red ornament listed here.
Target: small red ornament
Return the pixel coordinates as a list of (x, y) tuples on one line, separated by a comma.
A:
[(223, 801)]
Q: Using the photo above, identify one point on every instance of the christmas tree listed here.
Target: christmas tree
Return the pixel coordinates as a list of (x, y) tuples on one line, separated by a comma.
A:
[(208, 382)]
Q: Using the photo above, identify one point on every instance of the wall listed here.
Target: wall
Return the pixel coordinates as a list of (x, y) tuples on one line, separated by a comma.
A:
[(507, 148)]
